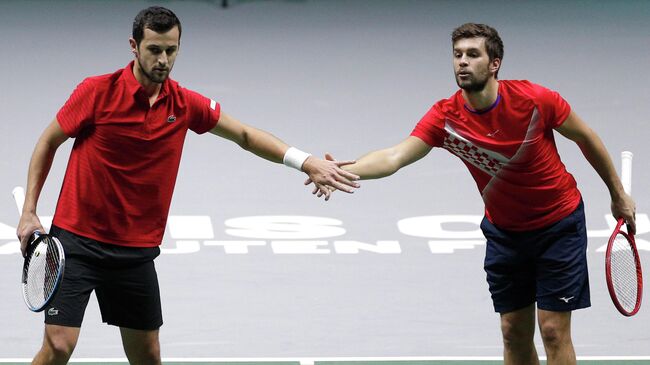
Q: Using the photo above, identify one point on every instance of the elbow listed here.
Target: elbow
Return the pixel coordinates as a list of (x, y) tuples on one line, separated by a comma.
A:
[(47, 146), (587, 138), (245, 141)]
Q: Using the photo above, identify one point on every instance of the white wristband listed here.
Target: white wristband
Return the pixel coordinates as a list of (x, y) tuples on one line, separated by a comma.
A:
[(295, 158)]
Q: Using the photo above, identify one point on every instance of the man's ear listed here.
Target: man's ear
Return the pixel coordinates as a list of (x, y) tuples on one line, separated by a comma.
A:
[(134, 46), (495, 64)]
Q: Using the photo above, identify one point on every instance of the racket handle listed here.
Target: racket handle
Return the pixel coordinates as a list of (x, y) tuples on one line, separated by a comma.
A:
[(626, 171), (19, 197), (34, 236)]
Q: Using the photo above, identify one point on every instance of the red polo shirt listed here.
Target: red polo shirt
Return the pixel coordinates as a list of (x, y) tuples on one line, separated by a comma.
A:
[(122, 170)]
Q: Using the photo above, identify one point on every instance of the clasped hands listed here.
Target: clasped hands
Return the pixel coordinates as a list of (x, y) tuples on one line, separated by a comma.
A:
[(328, 176)]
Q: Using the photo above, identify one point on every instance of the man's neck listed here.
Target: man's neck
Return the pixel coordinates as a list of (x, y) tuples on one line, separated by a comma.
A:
[(150, 88), (483, 99)]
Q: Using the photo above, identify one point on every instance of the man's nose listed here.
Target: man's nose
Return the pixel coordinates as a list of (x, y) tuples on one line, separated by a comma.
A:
[(463, 61), (162, 59)]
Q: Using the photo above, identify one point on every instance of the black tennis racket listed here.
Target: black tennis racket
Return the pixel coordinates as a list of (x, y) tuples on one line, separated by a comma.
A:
[(43, 266), (622, 263)]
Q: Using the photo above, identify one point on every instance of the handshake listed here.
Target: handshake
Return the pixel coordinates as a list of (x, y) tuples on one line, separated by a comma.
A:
[(329, 175)]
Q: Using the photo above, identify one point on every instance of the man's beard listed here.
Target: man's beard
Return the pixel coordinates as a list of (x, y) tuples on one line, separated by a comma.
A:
[(153, 78), (473, 84)]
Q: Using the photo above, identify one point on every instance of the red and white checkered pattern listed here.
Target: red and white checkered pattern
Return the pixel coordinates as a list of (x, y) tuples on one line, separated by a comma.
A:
[(472, 154)]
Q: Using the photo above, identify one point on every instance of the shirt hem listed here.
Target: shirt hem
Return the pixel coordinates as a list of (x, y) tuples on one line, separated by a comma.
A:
[(106, 240), (534, 227)]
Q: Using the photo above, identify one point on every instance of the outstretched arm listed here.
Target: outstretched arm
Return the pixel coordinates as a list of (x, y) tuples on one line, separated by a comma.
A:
[(595, 152), (384, 162), (271, 148), (39, 167)]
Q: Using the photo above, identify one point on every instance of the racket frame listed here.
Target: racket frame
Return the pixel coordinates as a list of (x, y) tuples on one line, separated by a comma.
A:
[(608, 270), (38, 239)]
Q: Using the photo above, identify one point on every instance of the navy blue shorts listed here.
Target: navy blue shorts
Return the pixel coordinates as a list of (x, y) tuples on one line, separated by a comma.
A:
[(547, 265), (123, 278)]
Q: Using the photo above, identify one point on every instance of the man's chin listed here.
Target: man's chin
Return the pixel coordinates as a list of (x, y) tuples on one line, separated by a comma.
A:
[(471, 86), (158, 79), (463, 84)]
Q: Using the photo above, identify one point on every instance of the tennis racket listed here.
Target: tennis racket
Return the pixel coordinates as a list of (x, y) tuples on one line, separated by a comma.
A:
[(622, 263), (43, 267)]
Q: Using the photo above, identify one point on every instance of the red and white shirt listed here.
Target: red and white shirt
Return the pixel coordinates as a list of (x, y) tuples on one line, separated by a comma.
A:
[(510, 151), (123, 166)]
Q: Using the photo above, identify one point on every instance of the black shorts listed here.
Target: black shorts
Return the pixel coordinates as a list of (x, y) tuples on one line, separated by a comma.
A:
[(124, 280), (547, 266)]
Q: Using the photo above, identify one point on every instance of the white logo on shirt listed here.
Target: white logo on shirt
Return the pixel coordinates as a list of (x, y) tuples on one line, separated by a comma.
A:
[(493, 133)]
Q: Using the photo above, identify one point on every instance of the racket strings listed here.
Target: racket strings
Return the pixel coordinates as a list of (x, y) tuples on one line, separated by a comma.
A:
[(42, 272), (624, 273)]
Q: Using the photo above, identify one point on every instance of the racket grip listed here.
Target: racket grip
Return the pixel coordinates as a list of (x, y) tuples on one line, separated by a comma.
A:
[(19, 197), (34, 236), (626, 171)]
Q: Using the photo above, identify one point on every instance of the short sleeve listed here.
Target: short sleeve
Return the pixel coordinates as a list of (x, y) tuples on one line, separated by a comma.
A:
[(555, 109), (428, 128), (204, 112), (78, 111)]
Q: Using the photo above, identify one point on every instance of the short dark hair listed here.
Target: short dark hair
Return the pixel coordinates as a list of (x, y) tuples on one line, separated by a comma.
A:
[(493, 43), (156, 18)]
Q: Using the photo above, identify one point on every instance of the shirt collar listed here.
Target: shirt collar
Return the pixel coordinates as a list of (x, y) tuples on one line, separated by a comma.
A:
[(483, 111), (133, 86)]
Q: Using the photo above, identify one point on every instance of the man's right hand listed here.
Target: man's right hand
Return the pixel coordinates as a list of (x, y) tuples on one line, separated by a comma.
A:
[(318, 191), (624, 207), (29, 223)]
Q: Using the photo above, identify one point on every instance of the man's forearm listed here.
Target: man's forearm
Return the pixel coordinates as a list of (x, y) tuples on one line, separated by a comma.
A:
[(264, 144), (39, 168), (375, 165), (387, 161)]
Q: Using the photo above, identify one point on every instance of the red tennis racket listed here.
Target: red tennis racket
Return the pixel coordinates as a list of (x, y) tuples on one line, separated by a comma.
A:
[(622, 263)]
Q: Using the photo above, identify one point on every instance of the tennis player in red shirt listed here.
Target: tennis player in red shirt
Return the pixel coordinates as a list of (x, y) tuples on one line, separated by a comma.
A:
[(129, 129), (503, 131)]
